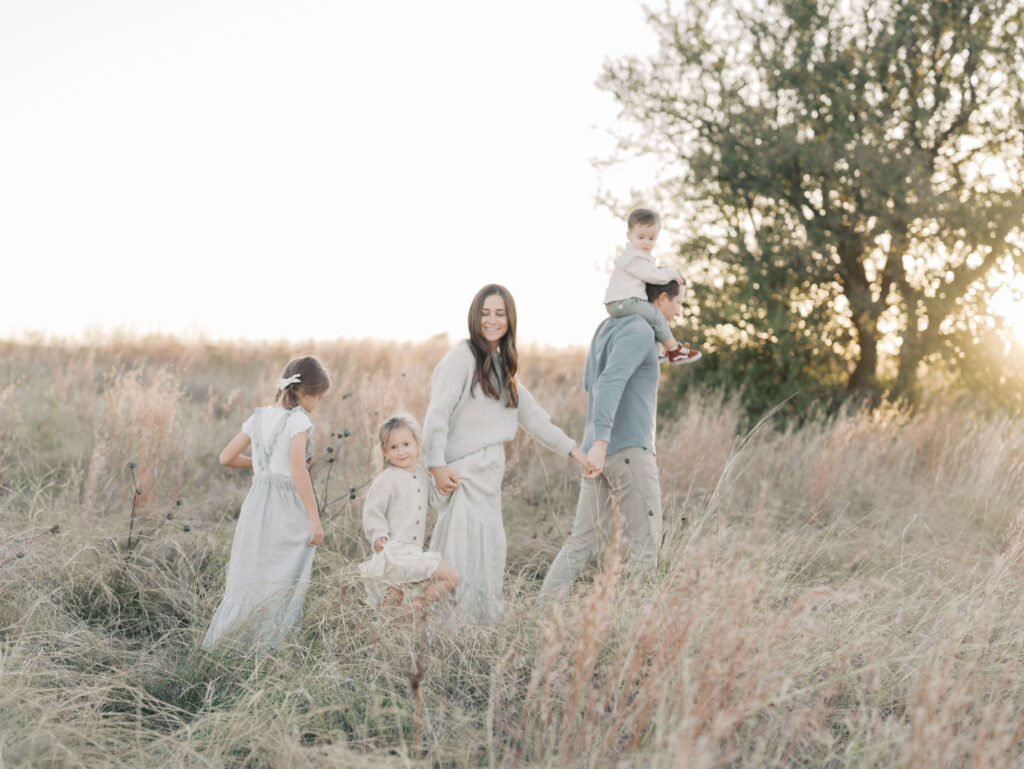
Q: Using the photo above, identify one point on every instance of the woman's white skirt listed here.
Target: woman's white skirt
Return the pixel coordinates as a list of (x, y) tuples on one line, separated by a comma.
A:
[(398, 563), (470, 534)]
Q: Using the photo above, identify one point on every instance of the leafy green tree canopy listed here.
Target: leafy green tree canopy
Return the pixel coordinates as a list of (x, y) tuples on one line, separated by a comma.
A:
[(846, 179)]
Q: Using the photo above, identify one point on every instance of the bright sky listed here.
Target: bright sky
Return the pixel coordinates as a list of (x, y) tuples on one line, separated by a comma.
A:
[(307, 169)]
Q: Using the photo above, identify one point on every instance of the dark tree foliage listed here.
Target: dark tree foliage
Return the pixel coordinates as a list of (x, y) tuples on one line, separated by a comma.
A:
[(846, 181)]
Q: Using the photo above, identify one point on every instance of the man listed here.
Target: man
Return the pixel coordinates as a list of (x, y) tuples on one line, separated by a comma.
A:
[(621, 379)]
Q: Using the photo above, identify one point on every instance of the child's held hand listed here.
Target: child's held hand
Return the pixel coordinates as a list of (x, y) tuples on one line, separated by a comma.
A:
[(446, 478), (379, 543), (316, 533)]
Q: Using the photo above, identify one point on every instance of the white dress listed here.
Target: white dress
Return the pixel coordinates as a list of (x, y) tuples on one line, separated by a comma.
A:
[(470, 534), (466, 430), (396, 507), (268, 573)]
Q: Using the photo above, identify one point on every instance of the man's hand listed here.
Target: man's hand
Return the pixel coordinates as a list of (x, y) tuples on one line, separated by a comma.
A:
[(595, 459)]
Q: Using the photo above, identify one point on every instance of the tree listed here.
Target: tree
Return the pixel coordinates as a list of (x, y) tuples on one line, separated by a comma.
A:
[(850, 176)]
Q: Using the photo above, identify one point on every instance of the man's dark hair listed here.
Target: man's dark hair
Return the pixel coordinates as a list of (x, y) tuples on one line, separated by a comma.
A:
[(654, 290)]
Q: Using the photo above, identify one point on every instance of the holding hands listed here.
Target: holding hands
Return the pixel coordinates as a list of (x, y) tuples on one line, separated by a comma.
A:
[(446, 478), (592, 462), (595, 459)]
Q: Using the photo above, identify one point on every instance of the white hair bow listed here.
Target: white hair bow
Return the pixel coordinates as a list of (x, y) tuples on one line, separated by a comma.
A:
[(283, 383)]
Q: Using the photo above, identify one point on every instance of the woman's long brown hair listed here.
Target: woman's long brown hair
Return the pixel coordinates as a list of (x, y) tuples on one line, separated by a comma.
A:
[(485, 374)]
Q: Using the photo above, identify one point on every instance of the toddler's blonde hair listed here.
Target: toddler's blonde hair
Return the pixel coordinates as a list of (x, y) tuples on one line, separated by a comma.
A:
[(388, 426)]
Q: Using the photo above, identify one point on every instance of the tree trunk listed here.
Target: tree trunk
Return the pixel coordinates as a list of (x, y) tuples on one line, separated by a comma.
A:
[(911, 353), (864, 378), (864, 313)]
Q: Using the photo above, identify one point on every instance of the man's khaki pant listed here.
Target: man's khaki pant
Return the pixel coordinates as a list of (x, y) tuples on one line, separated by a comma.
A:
[(630, 478)]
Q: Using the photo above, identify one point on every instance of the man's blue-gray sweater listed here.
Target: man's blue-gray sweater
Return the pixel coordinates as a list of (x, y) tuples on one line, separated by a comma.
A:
[(621, 380)]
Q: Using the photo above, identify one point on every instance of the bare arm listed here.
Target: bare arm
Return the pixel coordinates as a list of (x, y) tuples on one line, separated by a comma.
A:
[(304, 485), (232, 455)]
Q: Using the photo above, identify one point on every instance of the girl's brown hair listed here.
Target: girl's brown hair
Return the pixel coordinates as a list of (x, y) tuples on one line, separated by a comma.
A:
[(485, 374), (313, 380), (388, 427)]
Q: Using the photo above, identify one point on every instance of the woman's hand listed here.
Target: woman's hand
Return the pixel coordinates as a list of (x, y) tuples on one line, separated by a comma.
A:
[(446, 479), (580, 458), (316, 532), (378, 544)]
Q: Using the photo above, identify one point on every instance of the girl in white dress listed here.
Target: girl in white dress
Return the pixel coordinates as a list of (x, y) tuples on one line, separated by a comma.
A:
[(395, 520), (476, 405), (279, 526)]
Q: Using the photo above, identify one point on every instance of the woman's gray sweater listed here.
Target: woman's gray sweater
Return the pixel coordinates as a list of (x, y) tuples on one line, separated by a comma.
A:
[(461, 420)]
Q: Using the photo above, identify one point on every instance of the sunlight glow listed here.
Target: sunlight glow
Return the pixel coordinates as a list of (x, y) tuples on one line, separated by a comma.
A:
[(1008, 304), (181, 166)]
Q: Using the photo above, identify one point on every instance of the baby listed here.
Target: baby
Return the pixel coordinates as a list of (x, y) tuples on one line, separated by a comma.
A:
[(633, 268)]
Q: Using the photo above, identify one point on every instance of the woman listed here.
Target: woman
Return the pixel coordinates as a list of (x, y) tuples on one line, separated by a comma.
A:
[(476, 405)]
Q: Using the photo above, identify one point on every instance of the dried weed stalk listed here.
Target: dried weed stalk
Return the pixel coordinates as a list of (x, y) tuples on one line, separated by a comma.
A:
[(141, 422)]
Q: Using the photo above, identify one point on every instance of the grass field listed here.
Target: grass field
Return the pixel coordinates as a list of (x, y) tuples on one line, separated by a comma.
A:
[(846, 592)]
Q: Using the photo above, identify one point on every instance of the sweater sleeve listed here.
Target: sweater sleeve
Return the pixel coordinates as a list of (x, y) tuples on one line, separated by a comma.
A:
[(625, 355), (434, 497), (642, 267), (375, 509), (451, 380), (537, 423)]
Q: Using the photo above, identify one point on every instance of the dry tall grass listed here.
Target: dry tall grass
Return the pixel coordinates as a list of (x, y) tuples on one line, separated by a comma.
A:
[(844, 593)]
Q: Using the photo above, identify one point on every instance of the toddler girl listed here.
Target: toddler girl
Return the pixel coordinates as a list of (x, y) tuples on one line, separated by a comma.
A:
[(395, 519), (272, 552), (633, 268)]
